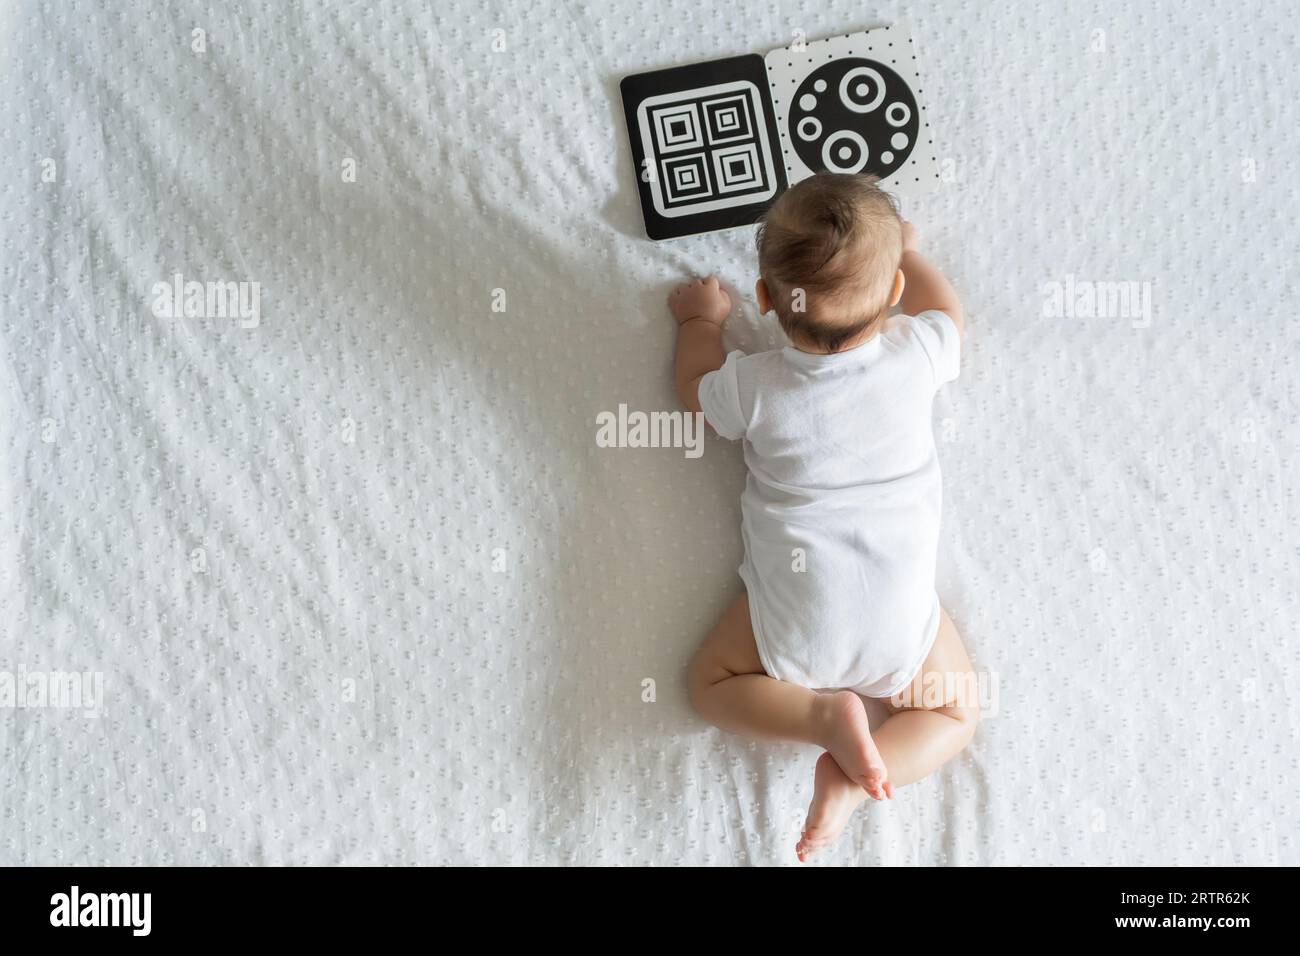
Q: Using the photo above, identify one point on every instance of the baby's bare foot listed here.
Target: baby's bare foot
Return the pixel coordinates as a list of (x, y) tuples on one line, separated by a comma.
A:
[(848, 738), (835, 797)]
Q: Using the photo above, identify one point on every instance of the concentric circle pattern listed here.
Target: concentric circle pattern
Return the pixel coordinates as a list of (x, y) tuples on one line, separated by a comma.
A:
[(851, 115)]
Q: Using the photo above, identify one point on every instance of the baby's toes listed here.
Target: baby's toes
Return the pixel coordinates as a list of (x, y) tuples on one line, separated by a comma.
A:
[(807, 848)]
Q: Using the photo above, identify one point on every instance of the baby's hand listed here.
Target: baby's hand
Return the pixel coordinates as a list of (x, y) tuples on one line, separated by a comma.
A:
[(911, 239), (701, 299)]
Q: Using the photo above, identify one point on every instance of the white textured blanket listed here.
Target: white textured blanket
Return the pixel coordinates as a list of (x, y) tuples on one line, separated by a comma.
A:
[(323, 563)]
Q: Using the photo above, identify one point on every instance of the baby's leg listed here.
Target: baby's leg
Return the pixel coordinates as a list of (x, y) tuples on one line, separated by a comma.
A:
[(730, 689), (935, 718), (924, 731)]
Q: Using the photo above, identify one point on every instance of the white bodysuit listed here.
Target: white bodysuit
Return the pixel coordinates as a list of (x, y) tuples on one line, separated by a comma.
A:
[(841, 506)]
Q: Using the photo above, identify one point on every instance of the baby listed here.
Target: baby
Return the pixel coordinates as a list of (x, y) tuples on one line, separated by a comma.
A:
[(841, 505)]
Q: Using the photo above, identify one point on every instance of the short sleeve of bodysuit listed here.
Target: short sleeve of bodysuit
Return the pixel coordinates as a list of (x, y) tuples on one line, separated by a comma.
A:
[(941, 341), (720, 399)]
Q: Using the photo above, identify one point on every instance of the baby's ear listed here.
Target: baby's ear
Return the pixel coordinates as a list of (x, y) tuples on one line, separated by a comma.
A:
[(900, 281), (764, 300)]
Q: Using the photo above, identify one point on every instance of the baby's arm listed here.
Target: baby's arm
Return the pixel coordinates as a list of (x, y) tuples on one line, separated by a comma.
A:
[(699, 308), (924, 286)]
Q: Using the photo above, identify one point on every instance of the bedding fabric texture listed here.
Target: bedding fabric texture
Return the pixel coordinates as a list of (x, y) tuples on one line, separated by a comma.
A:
[(360, 584)]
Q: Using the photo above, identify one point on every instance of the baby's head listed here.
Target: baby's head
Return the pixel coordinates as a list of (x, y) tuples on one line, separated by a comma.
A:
[(828, 258)]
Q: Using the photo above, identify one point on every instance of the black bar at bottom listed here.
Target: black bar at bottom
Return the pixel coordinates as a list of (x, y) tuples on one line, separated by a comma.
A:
[(941, 907)]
